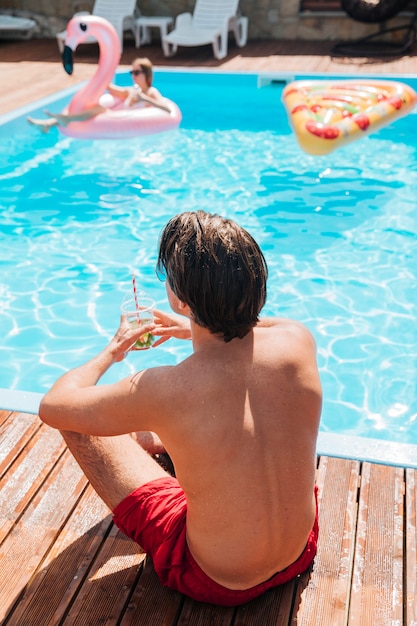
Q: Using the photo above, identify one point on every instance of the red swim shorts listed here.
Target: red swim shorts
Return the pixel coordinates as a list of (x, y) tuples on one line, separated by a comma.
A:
[(154, 516)]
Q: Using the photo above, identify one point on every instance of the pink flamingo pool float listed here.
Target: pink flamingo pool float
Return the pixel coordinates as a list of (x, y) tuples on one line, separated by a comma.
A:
[(117, 122)]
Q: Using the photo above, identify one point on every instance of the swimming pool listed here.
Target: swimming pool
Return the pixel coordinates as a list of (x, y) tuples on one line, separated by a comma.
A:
[(339, 233)]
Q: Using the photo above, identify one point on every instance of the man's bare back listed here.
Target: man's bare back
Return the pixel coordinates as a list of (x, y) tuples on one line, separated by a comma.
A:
[(242, 435), (239, 419)]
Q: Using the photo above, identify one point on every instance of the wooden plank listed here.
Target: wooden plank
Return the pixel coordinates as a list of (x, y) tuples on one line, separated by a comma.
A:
[(377, 589), (26, 476), (106, 592), (4, 415), (15, 432), (201, 614), (46, 598), (325, 599), (151, 603), (31, 538), (273, 608), (411, 548)]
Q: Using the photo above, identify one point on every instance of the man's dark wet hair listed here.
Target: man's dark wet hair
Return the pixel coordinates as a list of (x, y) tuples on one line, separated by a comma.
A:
[(215, 267)]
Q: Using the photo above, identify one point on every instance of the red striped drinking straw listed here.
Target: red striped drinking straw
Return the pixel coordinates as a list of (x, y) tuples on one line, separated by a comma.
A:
[(135, 295)]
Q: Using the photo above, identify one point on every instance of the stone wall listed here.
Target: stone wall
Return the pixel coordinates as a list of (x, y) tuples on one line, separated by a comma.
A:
[(268, 19)]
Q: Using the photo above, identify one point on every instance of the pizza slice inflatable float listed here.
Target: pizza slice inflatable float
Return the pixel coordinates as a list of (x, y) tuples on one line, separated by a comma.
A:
[(326, 115)]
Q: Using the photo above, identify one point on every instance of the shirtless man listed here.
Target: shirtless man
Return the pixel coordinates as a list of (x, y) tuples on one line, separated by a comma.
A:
[(239, 419)]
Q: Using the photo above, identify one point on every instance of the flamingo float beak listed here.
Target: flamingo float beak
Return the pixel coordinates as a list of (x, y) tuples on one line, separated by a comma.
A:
[(67, 60)]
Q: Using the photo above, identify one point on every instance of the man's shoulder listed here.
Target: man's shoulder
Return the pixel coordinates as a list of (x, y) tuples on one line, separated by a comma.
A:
[(291, 338), (286, 325), (300, 334), (299, 329)]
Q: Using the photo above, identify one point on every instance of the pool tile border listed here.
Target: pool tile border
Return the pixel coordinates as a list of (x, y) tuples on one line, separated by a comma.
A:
[(367, 449), (21, 401)]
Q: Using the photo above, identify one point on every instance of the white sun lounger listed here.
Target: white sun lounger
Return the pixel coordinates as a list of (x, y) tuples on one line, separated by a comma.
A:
[(210, 22), (12, 27)]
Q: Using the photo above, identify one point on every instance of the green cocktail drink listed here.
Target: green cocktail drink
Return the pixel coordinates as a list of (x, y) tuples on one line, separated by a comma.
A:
[(140, 317)]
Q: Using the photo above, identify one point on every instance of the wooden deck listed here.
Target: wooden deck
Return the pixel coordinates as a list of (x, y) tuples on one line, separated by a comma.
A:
[(63, 561)]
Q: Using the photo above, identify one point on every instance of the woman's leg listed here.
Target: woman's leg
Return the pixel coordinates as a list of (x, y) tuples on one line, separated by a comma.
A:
[(44, 125)]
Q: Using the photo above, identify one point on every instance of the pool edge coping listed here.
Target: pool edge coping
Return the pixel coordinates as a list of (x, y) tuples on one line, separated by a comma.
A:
[(328, 444)]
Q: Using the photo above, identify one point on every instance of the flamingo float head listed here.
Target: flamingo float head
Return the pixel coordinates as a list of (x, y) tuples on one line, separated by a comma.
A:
[(83, 28)]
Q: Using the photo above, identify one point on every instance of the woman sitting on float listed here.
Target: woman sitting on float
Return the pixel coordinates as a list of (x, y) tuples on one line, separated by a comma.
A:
[(142, 91)]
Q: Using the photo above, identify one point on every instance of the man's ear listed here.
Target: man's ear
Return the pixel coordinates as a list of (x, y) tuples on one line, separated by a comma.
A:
[(184, 309), (182, 306)]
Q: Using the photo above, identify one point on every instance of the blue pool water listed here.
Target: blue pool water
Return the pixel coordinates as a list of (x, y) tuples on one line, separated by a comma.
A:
[(339, 233)]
